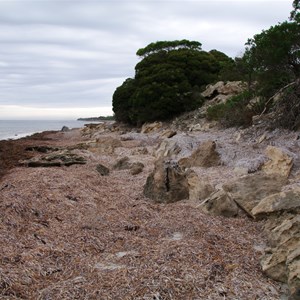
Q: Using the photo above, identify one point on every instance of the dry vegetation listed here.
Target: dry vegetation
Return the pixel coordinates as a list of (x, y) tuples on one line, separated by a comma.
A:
[(70, 233)]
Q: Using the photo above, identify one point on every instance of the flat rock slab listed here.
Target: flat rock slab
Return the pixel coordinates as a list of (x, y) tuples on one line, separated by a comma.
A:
[(56, 159), (249, 190)]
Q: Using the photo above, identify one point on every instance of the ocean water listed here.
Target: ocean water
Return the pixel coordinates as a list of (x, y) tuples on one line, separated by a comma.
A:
[(15, 129)]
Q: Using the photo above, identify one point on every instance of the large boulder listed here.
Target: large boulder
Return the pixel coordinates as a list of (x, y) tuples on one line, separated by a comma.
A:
[(212, 89), (273, 264), (219, 204), (167, 183), (281, 260), (248, 191), (204, 156), (279, 162), (199, 189), (223, 90), (277, 203)]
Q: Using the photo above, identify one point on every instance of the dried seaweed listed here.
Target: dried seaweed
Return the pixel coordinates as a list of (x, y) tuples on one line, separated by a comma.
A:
[(112, 243)]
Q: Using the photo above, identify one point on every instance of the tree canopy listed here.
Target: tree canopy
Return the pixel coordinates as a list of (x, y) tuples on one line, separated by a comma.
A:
[(167, 46), (295, 13), (167, 81), (274, 55)]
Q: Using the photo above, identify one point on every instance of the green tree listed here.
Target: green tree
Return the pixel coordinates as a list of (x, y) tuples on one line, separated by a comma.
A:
[(121, 103), (273, 56), (167, 81), (295, 15), (167, 46)]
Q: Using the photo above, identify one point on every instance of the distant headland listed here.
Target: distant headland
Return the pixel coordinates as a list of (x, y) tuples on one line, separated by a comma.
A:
[(96, 119)]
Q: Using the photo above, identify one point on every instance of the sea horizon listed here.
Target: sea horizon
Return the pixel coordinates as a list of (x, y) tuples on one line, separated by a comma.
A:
[(16, 129)]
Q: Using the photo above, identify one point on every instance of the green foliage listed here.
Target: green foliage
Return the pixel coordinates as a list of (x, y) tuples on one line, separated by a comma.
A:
[(167, 81), (233, 113), (273, 57), (121, 103), (295, 15), (228, 70), (167, 46), (287, 108)]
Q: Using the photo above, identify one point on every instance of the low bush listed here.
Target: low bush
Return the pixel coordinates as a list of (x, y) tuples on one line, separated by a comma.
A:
[(234, 113), (287, 108)]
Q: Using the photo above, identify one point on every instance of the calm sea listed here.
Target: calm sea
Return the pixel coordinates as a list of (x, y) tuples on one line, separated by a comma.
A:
[(14, 129)]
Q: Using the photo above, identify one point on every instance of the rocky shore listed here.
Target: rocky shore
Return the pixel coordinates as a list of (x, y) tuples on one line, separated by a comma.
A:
[(110, 212)]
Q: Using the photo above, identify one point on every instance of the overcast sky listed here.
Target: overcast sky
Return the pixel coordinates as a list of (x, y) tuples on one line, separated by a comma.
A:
[(64, 59)]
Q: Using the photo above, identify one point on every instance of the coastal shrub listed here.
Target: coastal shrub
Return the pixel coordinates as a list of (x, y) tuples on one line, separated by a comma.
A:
[(233, 113), (287, 108), (167, 82), (273, 57)]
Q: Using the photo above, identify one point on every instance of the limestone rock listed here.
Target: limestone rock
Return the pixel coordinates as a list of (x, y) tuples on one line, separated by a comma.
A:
[(230, 88), (167, 148), (212, 89), (285, 201), (274, 266), (199, 189), (248, 191), (125, 164), (92, 128), (151, 127), (105, 145), (203, 125), (219, 204), (280, 162), (55, 159), (288, 227), (168, 133), (167, 183), (204, 156), (293, 264), (282, 261)]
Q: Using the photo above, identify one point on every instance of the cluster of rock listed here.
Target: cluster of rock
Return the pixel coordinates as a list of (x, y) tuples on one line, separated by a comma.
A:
[(221, 91), (260, 195), (217, 93)]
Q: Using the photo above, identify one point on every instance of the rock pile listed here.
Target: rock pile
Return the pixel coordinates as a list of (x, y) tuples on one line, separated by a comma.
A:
[(263, 194)]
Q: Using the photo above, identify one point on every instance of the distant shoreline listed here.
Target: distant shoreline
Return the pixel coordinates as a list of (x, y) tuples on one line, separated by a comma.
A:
[(97, 119)]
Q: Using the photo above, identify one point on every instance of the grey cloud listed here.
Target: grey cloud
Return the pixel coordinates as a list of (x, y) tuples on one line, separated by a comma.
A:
[(75, 53)]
